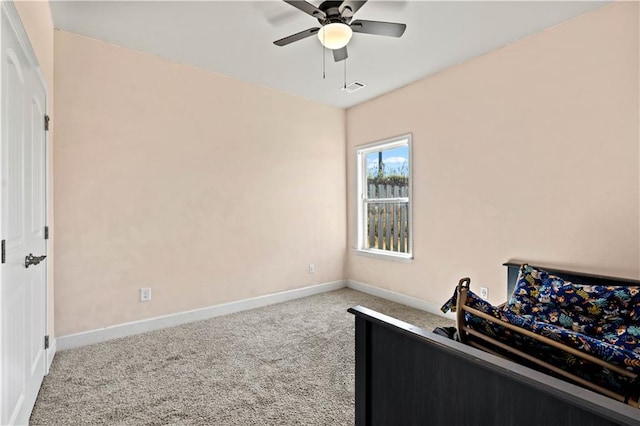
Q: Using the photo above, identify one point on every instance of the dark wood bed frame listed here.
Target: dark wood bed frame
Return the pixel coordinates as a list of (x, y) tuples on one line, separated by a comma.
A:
[(405, 375)]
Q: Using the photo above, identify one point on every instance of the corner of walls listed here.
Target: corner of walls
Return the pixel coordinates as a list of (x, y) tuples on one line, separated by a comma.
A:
[(347, 228)]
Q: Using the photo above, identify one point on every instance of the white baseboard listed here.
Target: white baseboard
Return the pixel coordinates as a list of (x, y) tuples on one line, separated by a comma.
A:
[(51, 352), (136, 327), (413, 302)]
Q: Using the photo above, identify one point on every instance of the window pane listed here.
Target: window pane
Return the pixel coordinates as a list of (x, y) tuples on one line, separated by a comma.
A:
[(387, 226), (388, 173), (384, 198)]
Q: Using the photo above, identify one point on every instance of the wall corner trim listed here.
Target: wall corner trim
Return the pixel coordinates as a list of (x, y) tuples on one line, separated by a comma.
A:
[(150, 324), (51, 352), (413, 302)]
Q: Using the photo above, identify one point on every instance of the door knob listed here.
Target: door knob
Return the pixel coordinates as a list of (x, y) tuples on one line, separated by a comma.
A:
[(32, 260)]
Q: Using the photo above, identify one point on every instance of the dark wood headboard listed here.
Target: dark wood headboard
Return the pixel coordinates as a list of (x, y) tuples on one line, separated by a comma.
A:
[(408, 376), (575, 277)]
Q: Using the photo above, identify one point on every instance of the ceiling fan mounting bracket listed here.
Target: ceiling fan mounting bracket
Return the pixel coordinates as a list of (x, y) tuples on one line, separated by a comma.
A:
[(329, 4), (332, 13)]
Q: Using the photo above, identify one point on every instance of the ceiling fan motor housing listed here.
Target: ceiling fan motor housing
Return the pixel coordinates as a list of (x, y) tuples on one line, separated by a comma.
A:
[(331, 8)]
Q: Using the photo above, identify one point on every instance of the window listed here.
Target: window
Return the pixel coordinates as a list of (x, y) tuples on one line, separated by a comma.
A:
[(384, 198)]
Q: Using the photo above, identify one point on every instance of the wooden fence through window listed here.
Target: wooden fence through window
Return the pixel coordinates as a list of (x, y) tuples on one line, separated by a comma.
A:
[(388, 221)]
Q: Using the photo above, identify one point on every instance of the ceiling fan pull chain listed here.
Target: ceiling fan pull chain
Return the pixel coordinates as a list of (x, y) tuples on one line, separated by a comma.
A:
[(345, 73), (324, 55)]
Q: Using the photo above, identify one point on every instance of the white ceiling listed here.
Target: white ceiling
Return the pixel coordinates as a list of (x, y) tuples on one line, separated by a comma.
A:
[(235, 38)]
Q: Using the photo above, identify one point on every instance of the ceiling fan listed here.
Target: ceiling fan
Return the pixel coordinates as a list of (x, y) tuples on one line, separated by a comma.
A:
[(336, 25)]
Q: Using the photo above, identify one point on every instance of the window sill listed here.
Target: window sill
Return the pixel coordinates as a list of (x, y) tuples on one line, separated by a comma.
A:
[(380, 254)]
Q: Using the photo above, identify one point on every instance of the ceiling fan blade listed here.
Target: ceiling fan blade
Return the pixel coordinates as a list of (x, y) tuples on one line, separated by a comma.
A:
[(340, 54), (296, 37), (349, 7), (307, 8), (390, 29)]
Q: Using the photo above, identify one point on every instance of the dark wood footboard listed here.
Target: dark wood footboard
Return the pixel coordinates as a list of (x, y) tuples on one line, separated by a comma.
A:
[(408, 376)]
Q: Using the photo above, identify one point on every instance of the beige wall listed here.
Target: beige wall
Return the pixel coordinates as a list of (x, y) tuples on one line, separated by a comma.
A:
[(210, 190), (204, 188), (529, 152), (38, 23)]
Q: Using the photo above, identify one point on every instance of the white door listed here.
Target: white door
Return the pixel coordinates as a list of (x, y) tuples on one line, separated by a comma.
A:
[(22, 162)]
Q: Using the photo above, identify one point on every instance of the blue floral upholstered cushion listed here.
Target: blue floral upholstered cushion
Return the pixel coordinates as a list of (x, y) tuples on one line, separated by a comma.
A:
[(606, 313)]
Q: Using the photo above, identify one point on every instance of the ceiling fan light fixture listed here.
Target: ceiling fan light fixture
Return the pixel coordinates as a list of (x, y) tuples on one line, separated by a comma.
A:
[(335, 35)]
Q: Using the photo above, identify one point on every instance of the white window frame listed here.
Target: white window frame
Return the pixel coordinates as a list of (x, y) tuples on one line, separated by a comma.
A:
[(361, 179)]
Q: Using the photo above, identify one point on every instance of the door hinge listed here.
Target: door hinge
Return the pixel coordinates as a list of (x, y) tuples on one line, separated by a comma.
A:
[(46, 232), (46, 341), (46, 122), (4, 251)]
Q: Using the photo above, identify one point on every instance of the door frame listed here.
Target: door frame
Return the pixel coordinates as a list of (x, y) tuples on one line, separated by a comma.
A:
[(15, 21)]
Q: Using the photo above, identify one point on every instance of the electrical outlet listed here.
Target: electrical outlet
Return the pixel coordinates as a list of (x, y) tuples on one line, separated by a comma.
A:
[(145, 294), (484, 293), (312, 268)]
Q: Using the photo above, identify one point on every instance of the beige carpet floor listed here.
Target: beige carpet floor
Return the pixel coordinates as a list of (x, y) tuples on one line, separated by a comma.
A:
[(285, 364)]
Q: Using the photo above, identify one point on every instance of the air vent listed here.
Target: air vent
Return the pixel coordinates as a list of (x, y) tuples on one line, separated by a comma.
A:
[(354, 87)]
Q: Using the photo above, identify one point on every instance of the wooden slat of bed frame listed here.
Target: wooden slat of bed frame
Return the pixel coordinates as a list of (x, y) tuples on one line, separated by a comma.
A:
[(540, 363), (550, 342)]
